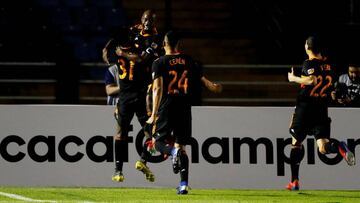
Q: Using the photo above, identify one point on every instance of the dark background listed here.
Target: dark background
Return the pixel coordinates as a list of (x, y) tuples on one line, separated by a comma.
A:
[(33, 30), (70, 33)]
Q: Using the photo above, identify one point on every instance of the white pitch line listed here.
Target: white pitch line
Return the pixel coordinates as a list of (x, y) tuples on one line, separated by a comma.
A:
[(19, 197)]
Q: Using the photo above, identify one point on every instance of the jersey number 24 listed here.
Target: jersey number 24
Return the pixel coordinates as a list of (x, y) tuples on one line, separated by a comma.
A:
[(176, 84)]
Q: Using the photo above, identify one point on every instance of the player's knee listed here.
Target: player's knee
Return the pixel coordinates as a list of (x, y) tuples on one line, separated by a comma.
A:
[(322, 146), (179, 146), (295, 143), (292, 131), (182, 151), (322, 149), (297, 136), (119, 136)]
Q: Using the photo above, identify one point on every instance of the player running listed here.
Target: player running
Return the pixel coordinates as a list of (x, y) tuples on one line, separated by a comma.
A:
[(311, 111), (173, 76)]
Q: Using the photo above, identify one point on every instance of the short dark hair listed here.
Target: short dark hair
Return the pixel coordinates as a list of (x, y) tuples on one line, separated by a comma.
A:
[(121, 38), (315, 44), (173, 38)]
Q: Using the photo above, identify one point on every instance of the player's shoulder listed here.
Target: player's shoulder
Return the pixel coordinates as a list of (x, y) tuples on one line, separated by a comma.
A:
[(313, 63), (308, 67), (112, 67), (308, 63), (344, 78), (159, 60)]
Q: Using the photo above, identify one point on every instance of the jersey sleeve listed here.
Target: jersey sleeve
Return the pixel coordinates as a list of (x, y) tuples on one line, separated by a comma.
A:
[(156, 69), (109, 78), (307, 68)]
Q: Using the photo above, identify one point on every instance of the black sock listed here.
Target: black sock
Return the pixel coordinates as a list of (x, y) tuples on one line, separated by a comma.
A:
[(296, 155), (184, 167), (163, 147), (145, 154), (332, 147), (120, 153)]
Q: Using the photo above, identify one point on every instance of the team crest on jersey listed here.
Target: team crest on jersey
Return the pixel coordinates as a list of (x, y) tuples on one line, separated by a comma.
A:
[(310, 71)]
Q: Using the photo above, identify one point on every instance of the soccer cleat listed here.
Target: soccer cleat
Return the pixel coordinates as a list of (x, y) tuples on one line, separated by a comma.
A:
[(118, 176), (183, 188), (346, 153), (150, 146), (176, 161), (293, 186), (140, 166)]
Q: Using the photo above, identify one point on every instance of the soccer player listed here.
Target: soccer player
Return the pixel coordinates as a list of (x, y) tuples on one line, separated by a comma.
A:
[(146, 38), (173, 76), (311, 111), (347, 91), (146, 41), (134, 69), (132, 93), (147, 45), (112, 81)]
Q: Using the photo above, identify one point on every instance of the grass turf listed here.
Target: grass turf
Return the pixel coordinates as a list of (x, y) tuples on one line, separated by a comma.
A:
[(169, 195)]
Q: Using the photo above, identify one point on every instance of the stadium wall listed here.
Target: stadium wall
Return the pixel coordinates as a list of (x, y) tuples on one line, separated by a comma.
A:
[(233, 147)]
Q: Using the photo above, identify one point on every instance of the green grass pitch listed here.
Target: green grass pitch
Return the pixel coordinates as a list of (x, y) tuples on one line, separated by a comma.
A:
[(158, 195)]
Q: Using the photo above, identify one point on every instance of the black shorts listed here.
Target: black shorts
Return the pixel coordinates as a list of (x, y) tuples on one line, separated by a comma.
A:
[(310, 120), (127, 109), (175, 120)]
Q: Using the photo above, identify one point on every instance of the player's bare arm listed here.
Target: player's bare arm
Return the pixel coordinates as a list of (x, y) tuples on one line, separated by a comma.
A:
[(132, 57), (112, 89), (305, 80), (212, 86), (105, 52), (128, 55), (157, 95)]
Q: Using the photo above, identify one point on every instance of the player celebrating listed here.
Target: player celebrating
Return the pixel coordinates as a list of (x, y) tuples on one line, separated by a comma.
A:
[(311, 111), (146, 39), (173, 76), (111, 79), (147, 47), (144, 49), (132, 94)]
